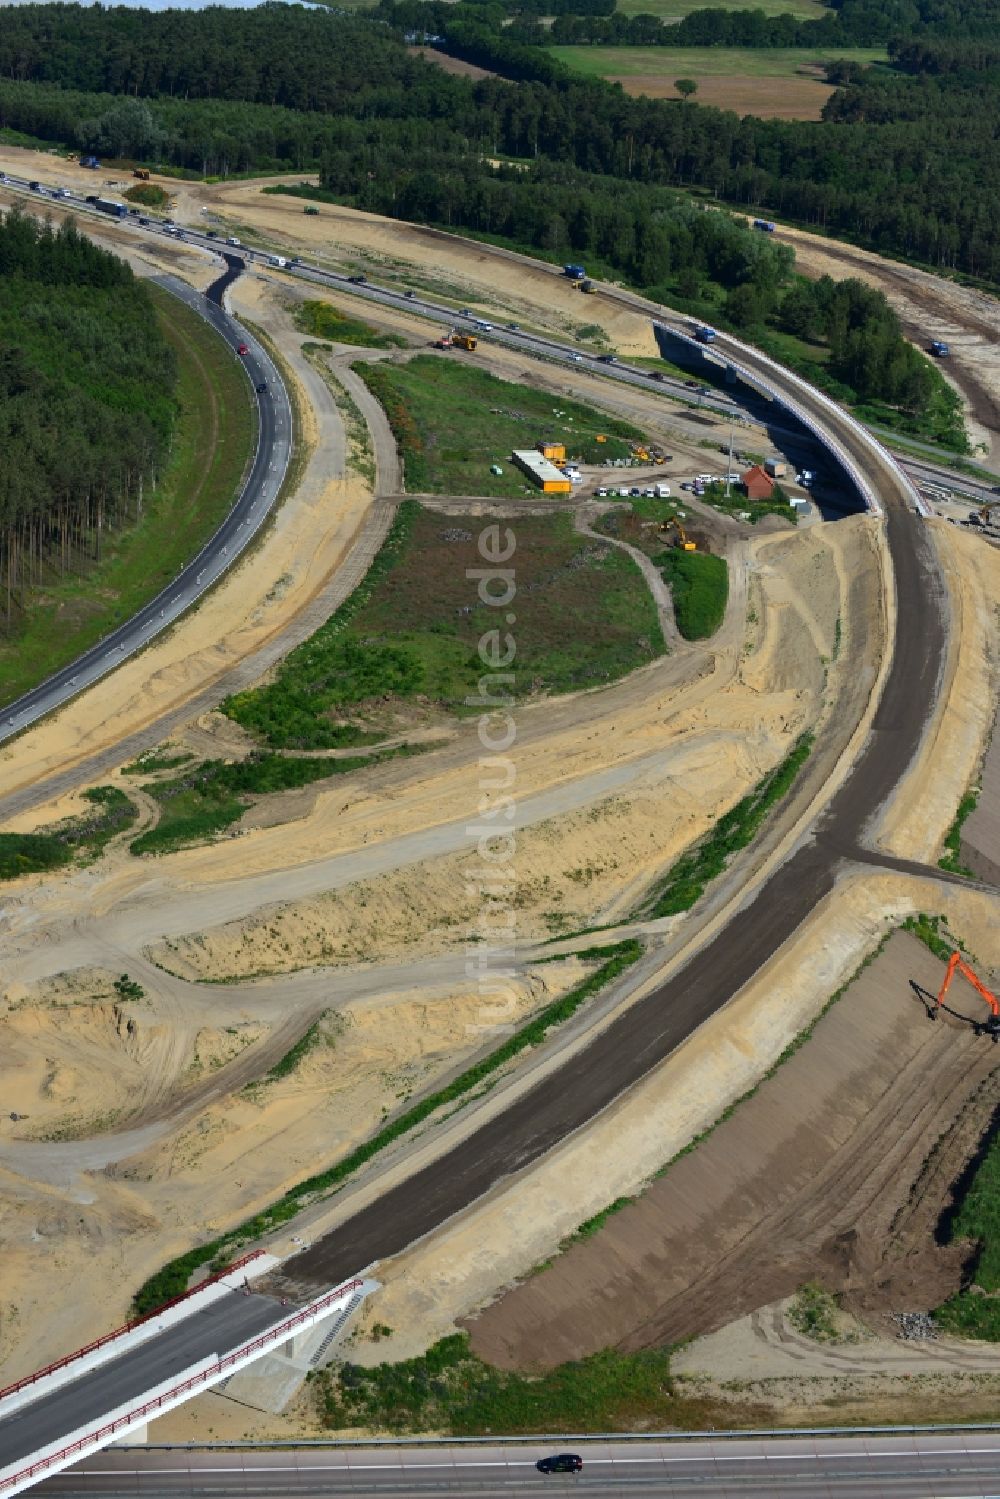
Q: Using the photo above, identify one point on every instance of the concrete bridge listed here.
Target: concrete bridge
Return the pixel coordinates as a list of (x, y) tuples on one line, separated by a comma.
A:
[(114, 1387)]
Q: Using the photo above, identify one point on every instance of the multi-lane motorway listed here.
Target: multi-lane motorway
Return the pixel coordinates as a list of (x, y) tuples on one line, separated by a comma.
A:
[(902, 1465)]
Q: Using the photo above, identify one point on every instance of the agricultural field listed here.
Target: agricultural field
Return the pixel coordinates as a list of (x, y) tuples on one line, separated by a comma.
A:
[(786, 83), (405, 645), (453, 423), (675, 10)]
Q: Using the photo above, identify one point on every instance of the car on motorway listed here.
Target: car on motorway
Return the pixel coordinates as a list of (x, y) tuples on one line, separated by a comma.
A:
[(243, 350), (409, 293), (143, 221), (357, 280), (691, 384), (576, 358), (562, 1462), (607, 359), (34, 187), (62, 192), (211, 233), (262, 387), (232, 240), (514, 327)]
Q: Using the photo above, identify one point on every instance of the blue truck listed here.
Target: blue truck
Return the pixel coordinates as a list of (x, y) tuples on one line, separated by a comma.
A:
[(766, 225), (939, 349), (91, 162), (705, 335), (108, 205), (575, 272)]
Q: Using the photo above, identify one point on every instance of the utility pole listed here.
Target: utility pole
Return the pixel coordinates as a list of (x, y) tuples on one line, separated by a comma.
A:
[(729, 465)]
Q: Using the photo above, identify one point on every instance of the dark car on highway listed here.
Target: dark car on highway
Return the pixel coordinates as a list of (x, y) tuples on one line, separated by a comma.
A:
[(563, 1462), (357, 280), (262, 388)]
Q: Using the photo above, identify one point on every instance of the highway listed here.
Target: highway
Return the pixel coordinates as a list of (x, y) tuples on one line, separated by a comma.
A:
[(654, 1026), (250, 510), (903, 1466)]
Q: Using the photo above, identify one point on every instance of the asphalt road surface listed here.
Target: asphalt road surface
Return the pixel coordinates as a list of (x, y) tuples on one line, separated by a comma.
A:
[(863, 1467), (215, 1329), (248, 513)]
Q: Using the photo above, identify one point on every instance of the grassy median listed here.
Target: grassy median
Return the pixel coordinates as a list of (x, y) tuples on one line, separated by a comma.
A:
[(211, 448)]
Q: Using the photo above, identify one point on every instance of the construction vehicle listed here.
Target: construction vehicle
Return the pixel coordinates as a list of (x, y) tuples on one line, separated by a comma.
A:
[(985, 511), (141, 173), (939, 348), (681, 539), (957, 964), (587, 286), (575, 272), (464, 341)]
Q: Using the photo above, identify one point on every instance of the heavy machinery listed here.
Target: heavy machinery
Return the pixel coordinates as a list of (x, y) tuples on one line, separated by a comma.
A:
[(985, 511), (957, 964), (141, 173), (681, 538), (464, 341)]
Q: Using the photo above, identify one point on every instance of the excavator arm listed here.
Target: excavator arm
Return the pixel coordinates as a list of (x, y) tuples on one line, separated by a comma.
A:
[(957, 964)]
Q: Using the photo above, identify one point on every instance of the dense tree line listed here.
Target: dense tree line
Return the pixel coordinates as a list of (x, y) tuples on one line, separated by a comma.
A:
[(86, 400), (903, 161)]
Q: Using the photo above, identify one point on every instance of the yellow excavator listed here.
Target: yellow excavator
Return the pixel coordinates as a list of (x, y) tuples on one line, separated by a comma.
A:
[(681, 539), (987, 509)]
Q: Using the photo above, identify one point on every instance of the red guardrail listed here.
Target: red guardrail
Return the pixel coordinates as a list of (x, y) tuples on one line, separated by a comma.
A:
[(131, 1418), (119, 1332)]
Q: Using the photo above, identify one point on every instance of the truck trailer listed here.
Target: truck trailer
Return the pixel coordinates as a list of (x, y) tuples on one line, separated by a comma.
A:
[(767, 226), (575, 272), (110, 206)]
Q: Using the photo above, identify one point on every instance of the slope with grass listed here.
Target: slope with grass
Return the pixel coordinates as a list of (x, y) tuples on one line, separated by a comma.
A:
[(454, 422)]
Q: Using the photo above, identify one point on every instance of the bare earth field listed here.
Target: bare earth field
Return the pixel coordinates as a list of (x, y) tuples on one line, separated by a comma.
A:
[(455, 65), (768, 98), (822, 1175), (981, 832)]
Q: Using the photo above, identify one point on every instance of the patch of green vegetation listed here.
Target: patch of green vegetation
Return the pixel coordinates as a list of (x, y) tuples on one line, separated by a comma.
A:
[(685, 882), (813, 1312), (205, 800), (212, 443), (415, 627), (590, 1226), (287, 1064), (932, 931), (452, 422), (735, 503), (150, 763), (127, 988), (449, 1389), (324, 321), (699, 585), (173, 1278), (77, 837), (952, 859), (148, 194), (707, 62), (974, 1312)]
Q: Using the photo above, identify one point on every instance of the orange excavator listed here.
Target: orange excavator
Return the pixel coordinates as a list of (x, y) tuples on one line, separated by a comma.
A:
[(957, 964)]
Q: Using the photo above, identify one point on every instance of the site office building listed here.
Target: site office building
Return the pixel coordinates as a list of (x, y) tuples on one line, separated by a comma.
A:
[(540, 466)]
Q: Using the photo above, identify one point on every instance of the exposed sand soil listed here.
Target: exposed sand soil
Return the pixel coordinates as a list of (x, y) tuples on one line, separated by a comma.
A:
[(981, 832), (953, 748)]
